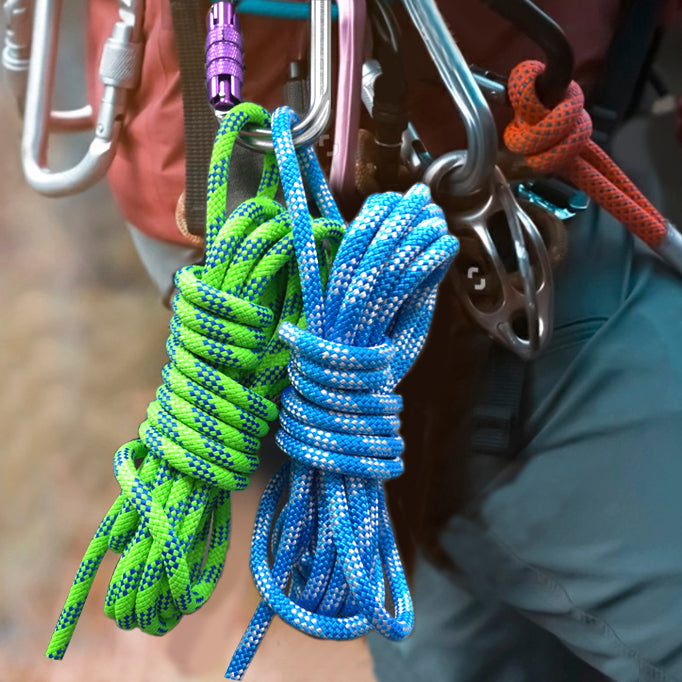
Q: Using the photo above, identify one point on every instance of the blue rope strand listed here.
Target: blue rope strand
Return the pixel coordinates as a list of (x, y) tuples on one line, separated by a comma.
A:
[(323, 516)]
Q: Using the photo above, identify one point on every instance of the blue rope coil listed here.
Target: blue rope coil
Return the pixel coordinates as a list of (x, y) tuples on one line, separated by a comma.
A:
[(323, 516)]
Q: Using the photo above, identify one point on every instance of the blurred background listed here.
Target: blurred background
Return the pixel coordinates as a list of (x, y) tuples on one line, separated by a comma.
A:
[(82, 333)]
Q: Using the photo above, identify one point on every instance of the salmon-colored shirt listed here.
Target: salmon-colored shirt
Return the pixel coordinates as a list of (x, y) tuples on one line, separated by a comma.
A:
[(148, 173)]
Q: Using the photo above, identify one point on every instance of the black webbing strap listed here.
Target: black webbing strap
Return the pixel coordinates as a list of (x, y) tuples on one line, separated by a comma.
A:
[(199, 120), (497, 417), (627, 61)]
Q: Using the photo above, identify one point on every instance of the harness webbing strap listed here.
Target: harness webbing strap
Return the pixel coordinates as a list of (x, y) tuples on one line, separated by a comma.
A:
[(627, 61), (496, 417), (199, 120)]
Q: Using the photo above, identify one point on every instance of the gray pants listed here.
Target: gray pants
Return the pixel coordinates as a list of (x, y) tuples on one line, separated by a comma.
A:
[(570, 556)]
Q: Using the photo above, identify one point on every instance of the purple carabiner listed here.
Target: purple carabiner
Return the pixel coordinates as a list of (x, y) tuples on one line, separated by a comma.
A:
[(224, 57)]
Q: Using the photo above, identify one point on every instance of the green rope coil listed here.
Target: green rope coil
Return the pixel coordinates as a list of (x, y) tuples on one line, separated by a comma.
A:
[(201, 436)]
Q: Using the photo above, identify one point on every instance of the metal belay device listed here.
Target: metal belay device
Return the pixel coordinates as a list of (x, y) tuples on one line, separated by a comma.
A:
[(504, 274), (29, 56)]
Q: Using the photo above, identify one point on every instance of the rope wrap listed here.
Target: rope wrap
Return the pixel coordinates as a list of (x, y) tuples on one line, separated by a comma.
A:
[(339, 417), (200, 439), (336, 564), (558, 141)]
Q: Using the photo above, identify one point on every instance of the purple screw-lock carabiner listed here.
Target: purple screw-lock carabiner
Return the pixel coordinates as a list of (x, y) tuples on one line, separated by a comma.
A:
[(224, 57)]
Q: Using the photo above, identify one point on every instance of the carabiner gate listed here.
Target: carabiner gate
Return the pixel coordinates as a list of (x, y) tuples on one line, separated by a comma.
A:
[(474, 174)]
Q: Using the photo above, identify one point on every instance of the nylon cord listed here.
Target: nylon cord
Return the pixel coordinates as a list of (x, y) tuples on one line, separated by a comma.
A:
[(200, 439), (323, 517)]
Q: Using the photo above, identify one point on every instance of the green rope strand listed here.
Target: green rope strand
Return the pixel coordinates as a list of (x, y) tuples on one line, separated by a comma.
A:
[(201, 436)]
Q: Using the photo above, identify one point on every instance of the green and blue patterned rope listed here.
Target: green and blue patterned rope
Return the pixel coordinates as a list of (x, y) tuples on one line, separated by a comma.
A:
[(201, 436)]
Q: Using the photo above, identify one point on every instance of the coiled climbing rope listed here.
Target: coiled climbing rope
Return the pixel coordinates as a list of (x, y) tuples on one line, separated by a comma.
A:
[(335, 557), (201, 436), (558, 141)]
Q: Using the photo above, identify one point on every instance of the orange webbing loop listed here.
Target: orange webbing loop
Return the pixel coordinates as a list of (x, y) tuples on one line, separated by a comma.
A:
[(558, 141)]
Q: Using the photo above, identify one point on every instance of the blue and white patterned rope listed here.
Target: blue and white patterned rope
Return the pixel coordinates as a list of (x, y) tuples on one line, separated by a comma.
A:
[(323, 516)]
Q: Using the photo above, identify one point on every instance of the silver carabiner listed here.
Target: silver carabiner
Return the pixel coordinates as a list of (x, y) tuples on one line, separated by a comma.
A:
[(16, 58), (514, 305), (16, 51), (316, 120), (119, 72), (474, 174)]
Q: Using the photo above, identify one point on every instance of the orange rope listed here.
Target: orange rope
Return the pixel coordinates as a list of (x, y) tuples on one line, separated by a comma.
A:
[(558, 141)]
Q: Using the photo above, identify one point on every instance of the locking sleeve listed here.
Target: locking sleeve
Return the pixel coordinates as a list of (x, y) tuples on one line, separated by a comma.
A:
[(224, 57)]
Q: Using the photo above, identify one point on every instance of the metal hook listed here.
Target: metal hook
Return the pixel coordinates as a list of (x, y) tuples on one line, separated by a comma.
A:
[(533, 302), (16, 57), (316, 119), (552, 84), (478, 121), (119, 71)]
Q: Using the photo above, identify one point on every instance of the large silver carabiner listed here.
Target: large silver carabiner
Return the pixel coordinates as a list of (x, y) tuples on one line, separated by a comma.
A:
[(119, 72), (316, 120), (474, 174)]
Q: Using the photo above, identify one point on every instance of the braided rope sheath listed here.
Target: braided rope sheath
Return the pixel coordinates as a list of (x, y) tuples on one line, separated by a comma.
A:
[(335, 556), (201, 436), (558, 140)]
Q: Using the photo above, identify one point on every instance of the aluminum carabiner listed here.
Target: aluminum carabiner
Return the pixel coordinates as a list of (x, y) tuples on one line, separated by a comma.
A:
[(474, 173), (16, 51), (503, 273), (316, 120), (119, 72)]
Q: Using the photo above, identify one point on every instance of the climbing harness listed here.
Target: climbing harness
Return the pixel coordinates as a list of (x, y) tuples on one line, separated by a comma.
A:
[(282, 306), (201, 436), (119, 72), (331, 544)]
